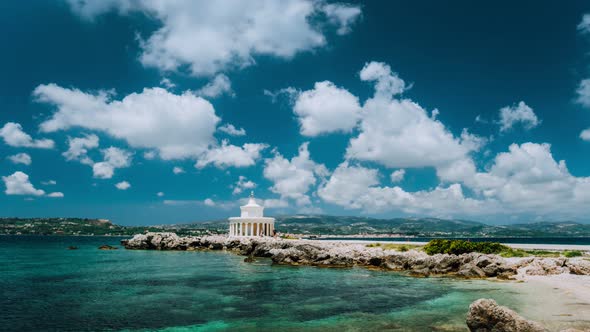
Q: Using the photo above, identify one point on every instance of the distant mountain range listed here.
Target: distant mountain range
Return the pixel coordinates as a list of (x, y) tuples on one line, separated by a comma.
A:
[(308, 225), (423, 227)]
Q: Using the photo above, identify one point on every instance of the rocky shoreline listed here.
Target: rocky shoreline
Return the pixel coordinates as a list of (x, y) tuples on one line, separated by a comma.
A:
[(334, 254)]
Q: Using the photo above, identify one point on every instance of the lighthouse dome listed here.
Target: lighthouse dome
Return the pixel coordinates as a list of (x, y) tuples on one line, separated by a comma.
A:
[(252, 209)]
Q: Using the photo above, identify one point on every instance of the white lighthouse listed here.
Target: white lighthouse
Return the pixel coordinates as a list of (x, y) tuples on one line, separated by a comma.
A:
[(251, 222)]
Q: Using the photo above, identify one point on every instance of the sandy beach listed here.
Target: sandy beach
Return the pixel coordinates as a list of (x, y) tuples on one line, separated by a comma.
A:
[(561, 300)]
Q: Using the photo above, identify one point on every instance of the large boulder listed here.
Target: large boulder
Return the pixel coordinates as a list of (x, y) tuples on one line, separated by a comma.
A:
[(138, 241), (160, 241), (546, 266), (471, 271), (485, 315), (446, 263), (579, 266)]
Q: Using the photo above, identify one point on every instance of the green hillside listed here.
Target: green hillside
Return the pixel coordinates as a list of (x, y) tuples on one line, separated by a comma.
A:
[(306, 225)]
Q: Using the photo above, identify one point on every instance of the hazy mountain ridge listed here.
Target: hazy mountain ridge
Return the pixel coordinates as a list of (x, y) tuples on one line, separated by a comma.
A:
[(428, 227), (308, 224)]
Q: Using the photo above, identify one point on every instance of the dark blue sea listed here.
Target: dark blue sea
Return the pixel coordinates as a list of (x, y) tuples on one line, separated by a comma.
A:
[(46, 287)]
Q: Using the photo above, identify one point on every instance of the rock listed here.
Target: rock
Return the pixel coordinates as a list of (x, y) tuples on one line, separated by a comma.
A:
[(216, 246), (485, 315), (423, 272), (249, 259), (483, 261), (138, 241), (499, 269), (161, 241), (72, 248), (448, 263), (471, 271), (376, 261), (397, 262), (107, 247), (579, 266), (545, 266)]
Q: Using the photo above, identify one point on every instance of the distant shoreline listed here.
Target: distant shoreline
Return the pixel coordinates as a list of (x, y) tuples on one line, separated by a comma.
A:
[(374, 238)]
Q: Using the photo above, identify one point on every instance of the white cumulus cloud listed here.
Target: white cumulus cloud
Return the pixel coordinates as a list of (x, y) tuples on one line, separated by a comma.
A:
[(213, 36), (123, 185), (167, 83), (326, 108), (177, 170), (13, 135), (218, 86), (113, 158), (243, 184), (387, 83), (583, 93), (228, 155), (21, 158), (585, 134), (399, 132), (292, 179), (398, 175), (584, 25), (19, 184), (56, 194), (79, 146), (232, 130), (177, 126), (357, 187), (343, 16), (521, 113), (149, 155)]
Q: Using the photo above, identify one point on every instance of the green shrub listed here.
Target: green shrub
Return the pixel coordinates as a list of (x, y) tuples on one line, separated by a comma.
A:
[(514, 253), (458, 247), (572, 253), (403, 248)]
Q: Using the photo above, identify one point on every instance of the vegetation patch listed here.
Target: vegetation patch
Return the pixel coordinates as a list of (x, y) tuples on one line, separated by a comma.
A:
[(573, 253), (394, 246), (289, 237), (458, 247), (511, 252)]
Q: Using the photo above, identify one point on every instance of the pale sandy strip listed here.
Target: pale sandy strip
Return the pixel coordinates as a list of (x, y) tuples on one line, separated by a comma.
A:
[(529, 246)]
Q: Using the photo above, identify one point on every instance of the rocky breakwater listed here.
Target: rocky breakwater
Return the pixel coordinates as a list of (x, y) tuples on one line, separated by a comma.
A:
[(340, 254)]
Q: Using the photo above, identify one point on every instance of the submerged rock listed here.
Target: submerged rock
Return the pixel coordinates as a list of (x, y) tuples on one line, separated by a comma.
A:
[(485, 315), (107, 247), (249, 259), (72, 248)]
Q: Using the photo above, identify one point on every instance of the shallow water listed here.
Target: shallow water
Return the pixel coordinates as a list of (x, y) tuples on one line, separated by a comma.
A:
[(44, 286)]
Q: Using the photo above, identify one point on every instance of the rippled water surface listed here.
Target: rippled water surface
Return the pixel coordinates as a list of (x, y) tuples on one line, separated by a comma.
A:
[(44, 286)]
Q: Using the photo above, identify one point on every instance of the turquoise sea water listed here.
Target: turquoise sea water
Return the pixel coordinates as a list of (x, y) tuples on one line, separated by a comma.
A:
[(45, 287)]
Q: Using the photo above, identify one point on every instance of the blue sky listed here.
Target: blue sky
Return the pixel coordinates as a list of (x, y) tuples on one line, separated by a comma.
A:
[(154, 112)]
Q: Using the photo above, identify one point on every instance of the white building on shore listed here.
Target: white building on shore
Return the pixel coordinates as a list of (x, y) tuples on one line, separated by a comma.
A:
[(251, 222)]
